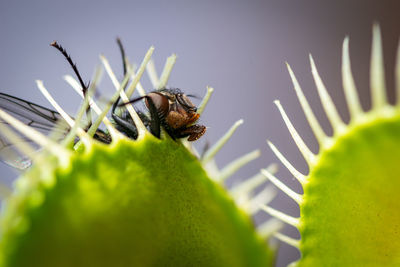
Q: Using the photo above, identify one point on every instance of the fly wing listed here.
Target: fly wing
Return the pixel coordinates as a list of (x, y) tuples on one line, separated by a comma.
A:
[(43, 119), (31, 114), (10, 156)]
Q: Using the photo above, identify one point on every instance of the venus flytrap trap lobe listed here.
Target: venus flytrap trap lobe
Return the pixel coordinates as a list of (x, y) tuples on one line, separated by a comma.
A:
[(349, 210), (130, 203)]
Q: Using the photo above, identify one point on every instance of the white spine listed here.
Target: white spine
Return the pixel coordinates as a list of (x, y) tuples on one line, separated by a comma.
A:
[(235, 165), (397, 74), (81, 133), (221, 142), (131, 68), (288, 240), (103, 114), (69, 139), (135, 117), (327, 103), (269, 227), (265, 196), (305, 151), (169, 64), (281, 216), (293, 195), (252, 183), (139, 73), (299, 176), (349, 86), (315, 126), (152, 73), (36, 136), (21, 145), (204, 102), (75, 85), (377, 75)]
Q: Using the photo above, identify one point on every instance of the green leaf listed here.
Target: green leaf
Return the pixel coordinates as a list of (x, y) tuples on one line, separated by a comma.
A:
[(349, 212), (132, 203), (349, 216)]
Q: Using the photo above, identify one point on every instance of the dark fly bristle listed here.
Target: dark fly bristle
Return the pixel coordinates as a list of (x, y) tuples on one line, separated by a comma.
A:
[(122, 50), (73, 65)]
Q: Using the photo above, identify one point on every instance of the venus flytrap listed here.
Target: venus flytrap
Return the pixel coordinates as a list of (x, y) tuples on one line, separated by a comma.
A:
[(144, 202), (152, 202), (349, 212)]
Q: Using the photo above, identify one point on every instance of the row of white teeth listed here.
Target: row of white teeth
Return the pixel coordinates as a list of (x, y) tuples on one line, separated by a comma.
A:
[(63, 154), (243, 192)]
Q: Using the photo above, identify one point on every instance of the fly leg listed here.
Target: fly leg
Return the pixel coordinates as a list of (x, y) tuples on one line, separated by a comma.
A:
[(194, 132)]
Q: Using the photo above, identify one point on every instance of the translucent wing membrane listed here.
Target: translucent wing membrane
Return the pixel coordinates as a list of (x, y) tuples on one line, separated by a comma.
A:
[(10, 156), (43, 119), (36, 116)]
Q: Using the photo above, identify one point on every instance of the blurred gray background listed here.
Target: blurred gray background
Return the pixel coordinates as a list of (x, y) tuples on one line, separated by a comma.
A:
[(237, 47)]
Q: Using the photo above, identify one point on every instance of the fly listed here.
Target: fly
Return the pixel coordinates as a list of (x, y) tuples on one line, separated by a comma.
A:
[(169, 109)]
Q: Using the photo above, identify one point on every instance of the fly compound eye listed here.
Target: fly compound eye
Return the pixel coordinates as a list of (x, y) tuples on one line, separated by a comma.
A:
[(185, 102), (160, 102)]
